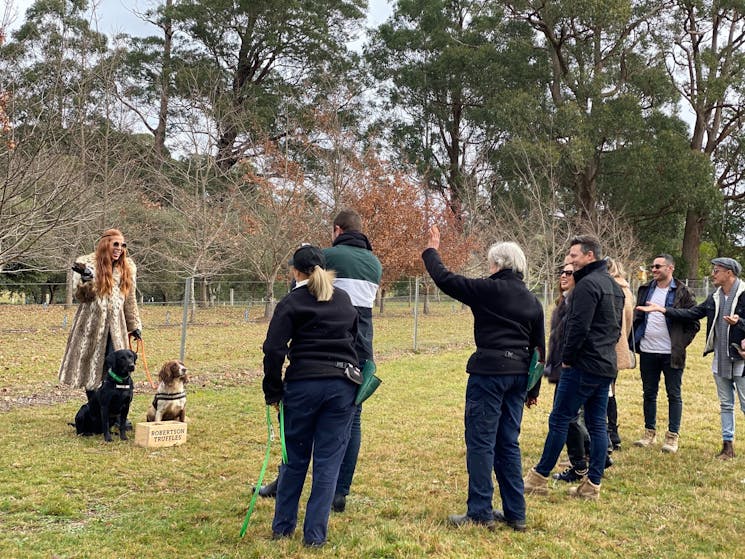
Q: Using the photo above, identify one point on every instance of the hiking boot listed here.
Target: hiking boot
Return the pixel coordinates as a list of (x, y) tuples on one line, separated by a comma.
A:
[(728, 451), (570, 475), (463, 520), (671, 443), (586, 490), (615, 440), (517, 525), (535, 483), (339, 503), (649, 438)]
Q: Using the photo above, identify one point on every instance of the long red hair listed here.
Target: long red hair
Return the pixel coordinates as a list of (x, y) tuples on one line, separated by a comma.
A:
[(105, 266)]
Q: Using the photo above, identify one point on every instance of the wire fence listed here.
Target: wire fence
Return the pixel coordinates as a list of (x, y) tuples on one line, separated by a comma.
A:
[(252, 294), (413, 297)]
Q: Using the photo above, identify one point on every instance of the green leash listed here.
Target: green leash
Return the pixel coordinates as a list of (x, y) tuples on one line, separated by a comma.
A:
[(269, 437)]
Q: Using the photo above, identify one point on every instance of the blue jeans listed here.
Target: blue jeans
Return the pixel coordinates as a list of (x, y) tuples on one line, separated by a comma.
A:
[(575, 389), (494, 412), (363, 347), (318, 413), (726, 388), (650, 366), (577, 441)]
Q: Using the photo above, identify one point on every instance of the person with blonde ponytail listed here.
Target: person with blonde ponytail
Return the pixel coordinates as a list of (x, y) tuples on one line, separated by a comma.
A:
[(314, 327), (104, 283)]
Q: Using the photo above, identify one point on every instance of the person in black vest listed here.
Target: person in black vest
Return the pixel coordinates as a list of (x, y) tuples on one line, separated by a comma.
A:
[(318, 390), (508, 325)]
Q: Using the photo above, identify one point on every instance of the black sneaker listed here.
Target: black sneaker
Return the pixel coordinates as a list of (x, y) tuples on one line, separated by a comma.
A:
[(570, 475)]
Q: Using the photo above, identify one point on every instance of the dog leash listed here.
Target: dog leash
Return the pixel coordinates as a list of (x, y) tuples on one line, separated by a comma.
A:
[(269, 438), (140, 345)]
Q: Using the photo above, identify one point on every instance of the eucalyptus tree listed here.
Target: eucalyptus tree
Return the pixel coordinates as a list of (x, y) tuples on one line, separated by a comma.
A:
[(704, 41), (145, 75), (446, 67), (603, 75), (250, 64)]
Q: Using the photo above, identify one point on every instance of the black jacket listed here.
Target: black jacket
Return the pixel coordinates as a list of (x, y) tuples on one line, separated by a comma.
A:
[(710, 309), (593, 324), (507, 318), (321, 337), (555, 338), (681, 332)]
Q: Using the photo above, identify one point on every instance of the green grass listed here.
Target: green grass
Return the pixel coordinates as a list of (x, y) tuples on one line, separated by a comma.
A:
[(65, 496)]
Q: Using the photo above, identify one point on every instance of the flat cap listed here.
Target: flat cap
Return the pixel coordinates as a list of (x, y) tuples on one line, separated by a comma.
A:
[(728, 264)]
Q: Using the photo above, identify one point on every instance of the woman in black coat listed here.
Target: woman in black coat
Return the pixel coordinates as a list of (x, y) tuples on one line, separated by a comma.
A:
[(320, 325), (508, 326)]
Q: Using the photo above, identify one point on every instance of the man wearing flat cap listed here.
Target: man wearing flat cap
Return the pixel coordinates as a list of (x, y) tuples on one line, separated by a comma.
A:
[(725, 330)]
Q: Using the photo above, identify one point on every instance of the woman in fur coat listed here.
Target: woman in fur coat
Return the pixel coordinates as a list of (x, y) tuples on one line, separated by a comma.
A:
[(104, 285)]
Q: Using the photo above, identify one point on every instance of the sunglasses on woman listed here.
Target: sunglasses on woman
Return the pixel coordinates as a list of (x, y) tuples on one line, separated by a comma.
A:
[(117, 244), (566, 273)]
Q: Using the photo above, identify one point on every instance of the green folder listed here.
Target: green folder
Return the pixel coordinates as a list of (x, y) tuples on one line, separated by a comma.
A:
[(369, 384), (536, 369)]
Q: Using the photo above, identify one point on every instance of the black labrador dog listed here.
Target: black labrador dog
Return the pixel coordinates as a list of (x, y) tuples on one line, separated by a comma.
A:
[(111, 400)]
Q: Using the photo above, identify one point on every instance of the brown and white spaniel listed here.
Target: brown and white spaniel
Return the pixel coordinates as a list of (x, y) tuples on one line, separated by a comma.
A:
[(169, 402)]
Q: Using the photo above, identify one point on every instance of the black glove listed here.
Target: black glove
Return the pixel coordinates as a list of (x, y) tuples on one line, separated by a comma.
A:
[(136, 334), (86, 273)]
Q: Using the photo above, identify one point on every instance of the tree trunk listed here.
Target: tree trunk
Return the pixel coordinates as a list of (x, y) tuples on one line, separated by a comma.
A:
[(586, 192), (381, 299), (270, 303), (165, 83), (205, 293), (691, 241), (425, 306), (68, 287)]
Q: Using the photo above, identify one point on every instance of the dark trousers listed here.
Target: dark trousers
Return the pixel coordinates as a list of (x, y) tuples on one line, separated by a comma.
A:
[(318, 414), (363, 347), (575, 389), (578, 440), (494, 412), (651, 365)]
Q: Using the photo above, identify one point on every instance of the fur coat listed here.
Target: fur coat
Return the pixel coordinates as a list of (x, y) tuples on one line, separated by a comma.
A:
[(96, 319), (623, 355)]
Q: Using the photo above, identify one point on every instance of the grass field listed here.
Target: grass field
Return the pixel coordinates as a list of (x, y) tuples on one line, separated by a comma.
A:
[(65, 496)]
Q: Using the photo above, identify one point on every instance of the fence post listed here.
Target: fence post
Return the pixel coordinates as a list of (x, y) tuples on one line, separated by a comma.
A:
[(187, 294), (416, 310)]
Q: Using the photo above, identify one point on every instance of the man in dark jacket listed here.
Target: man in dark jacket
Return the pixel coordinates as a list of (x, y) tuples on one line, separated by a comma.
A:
[(358, 272), (725, 330), (661, 343), (508, 325), (592, 329)]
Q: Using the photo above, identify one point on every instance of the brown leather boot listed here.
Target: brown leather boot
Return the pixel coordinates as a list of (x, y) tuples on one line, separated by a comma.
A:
[(728, 451)]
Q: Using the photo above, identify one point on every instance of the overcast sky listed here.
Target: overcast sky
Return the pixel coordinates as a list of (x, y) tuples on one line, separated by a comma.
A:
[(120, 16)]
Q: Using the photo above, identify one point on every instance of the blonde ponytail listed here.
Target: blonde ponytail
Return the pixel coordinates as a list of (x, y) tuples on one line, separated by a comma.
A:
[(321, 283)]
